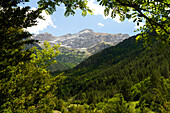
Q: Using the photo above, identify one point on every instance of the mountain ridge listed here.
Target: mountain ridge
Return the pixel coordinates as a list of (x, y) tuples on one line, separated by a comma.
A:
[(83, 39)]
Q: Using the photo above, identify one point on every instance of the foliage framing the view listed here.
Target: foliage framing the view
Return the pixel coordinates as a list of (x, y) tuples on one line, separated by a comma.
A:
[(154, 13), (30, 87), (70, 5), (25, 85)]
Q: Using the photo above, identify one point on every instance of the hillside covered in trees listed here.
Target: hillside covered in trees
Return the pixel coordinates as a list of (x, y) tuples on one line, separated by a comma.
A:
[(124, 78)]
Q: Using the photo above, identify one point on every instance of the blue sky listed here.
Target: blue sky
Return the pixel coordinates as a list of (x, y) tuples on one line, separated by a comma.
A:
[(57, 24)]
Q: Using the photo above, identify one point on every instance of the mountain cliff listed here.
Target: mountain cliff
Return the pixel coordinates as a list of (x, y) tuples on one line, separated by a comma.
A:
[(44, 36)]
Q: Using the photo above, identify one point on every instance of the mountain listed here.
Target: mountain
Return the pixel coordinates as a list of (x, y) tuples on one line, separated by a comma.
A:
[(113, 54), (98, 47), (87, 38), (44, 36), (75, 48), (127, 76), (70, 57), (83, 39)]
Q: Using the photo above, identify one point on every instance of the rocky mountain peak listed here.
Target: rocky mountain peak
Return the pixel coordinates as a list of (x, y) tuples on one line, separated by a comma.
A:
[(86, 31), (44, 36)]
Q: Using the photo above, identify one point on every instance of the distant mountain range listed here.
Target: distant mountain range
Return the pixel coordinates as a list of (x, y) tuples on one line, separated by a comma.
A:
[(83, 39), (77, 47)]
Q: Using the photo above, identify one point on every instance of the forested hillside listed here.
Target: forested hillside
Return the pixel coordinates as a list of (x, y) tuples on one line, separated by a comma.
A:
[(127, 73)]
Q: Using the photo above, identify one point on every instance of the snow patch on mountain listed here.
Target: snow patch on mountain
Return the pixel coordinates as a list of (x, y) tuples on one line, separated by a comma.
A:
[(83, 39)]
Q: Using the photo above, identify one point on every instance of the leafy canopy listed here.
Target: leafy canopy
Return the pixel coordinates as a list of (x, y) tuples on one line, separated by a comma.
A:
[(154, 13), (70, 5), (30, 87)]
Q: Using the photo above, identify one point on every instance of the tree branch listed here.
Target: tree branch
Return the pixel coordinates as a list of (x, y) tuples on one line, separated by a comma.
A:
[(135, 6)]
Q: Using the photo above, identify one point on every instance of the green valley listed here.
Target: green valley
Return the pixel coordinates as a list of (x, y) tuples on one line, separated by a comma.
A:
[(69, 58)]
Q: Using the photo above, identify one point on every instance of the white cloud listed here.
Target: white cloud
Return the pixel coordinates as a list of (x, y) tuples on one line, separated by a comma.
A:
[(99, 10), (100, 24), (42, 24)]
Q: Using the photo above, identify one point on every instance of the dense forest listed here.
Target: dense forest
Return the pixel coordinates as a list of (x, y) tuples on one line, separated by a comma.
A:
[(123, 78)]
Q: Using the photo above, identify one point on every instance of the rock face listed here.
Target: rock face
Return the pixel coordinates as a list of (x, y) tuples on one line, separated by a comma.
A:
[(83, 39), (45, 36), (77, 47)]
